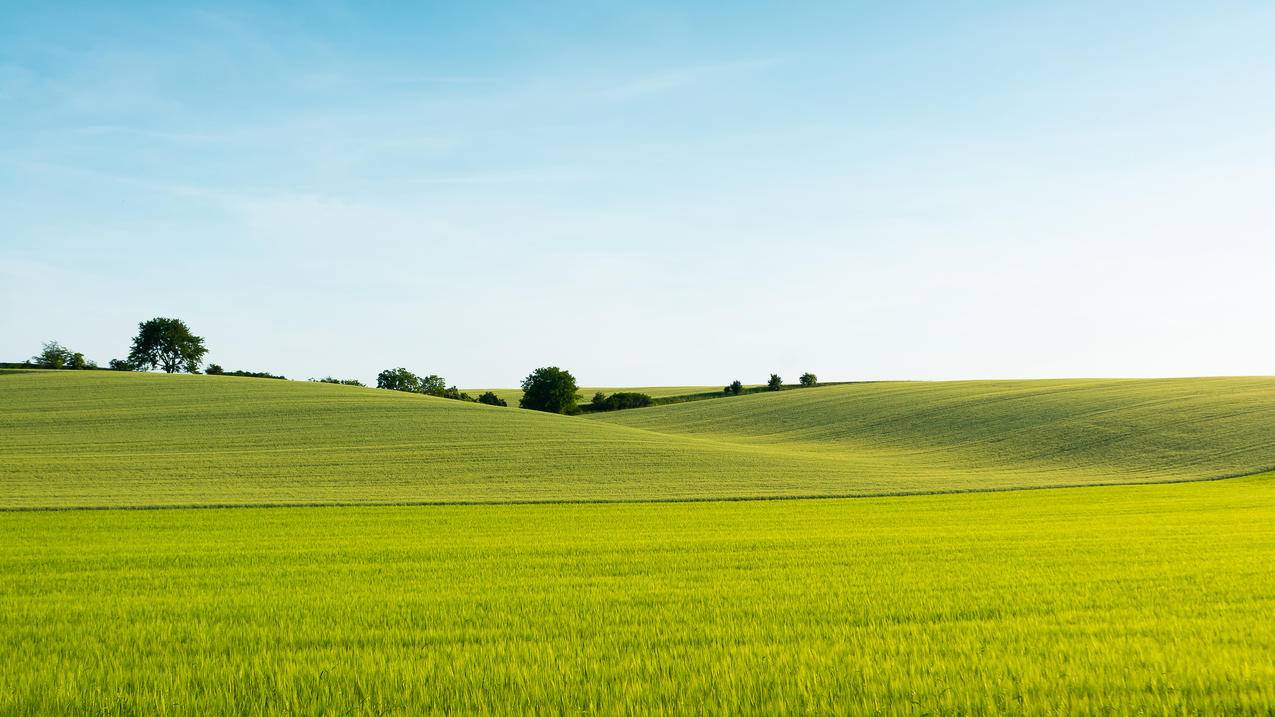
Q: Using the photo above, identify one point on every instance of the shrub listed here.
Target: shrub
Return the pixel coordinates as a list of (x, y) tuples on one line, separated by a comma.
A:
[(122, 365), (809, 379), (339, 381), (254, 374), (453, 393), (492, 399), (620, 401), (550, 389), (212, 370), (774, 383), (734, 388)]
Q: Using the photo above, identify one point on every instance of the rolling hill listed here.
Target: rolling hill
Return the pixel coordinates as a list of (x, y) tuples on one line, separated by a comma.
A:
[(103, 439)]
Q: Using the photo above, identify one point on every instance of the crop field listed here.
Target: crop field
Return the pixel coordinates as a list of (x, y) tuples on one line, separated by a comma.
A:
[(1130, 600), (102, 438)]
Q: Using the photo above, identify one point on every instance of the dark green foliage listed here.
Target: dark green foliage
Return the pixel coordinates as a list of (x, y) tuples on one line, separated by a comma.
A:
[(55, 355), (399, 379), (774, 383), (166, 344), (253, 374), (550, 389), (453, 393), (214, 369), (809, 379), (122, 365), (492, 399), (339, 381), (619, 401), (433, 385), (734, 388)]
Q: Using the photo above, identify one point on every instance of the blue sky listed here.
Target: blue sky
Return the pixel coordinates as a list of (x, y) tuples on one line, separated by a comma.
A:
[(645, 193)]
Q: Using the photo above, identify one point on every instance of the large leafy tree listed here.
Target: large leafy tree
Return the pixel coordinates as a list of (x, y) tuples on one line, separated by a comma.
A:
[(166, 344), (398, 379), (550, 389)]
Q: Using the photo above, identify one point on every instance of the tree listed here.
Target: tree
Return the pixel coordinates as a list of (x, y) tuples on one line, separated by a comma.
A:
[(775, 383), (214, 369), (122, 365), (809, 379), (167, 344), (491, 399), (550, 389), (398, 379), (734, 388), (53, 355), (433, 385)]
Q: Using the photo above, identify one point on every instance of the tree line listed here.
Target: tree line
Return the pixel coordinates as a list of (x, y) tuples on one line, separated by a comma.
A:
[(169, 345)]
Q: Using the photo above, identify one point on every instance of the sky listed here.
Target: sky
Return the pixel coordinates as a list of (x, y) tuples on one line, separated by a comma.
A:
[(645, 193)]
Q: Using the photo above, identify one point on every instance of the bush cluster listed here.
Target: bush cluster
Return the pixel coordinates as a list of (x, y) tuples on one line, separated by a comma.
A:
[(400, 379), (55, 355), (491, 399), (619, 401), (330, 379), (248, 374)]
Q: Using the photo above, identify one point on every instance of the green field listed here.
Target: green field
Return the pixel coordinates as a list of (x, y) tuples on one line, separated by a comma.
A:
[(1116, 600), (100, 438), (1112, 599)]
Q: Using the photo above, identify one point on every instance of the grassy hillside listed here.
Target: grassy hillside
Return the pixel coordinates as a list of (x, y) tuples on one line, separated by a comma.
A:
[(103, 438), (1103, 429), (1127, 600)]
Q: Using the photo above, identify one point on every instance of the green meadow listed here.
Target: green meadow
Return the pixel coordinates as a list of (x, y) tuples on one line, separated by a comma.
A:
[(1111, 600), (416, 555), (104, 438)]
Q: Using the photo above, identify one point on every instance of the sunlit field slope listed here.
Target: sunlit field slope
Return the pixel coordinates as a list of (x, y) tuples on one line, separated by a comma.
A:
[(1156, 600), (1020, 432), (103, 438), (98, 438)]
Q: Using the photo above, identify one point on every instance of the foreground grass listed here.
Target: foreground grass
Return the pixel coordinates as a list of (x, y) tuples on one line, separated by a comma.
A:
[(103, 438), (1128, 600)]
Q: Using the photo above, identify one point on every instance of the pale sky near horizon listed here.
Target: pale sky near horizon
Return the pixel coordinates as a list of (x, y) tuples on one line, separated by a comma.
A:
[(645, 193)]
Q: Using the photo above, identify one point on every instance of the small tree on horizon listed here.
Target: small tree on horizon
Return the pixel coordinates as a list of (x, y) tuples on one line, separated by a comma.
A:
[(53, 355), (166, 344), (809, 379), (550, 389), (775, 383), (734, 388)]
